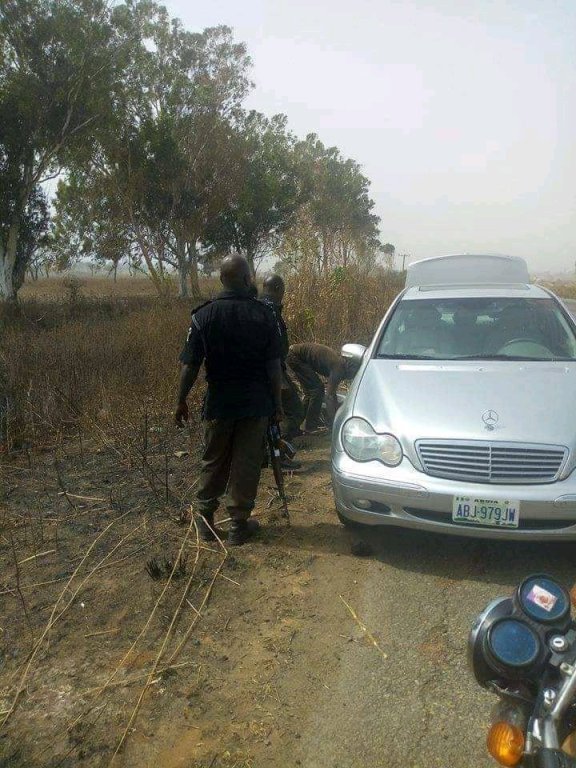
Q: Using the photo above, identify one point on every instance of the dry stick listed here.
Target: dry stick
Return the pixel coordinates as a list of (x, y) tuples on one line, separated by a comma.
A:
[(18, 587), (32, 586), (160, 653), (34, 557), (96, 568), (77, 496), (103, 632), (135, 679), (99, 565), (364, 628), (166, 471), (50, 622), (102, 688), (29, 587), (198, 612)]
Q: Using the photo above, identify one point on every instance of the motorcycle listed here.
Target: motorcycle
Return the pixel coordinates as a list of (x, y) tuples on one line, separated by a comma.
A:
[(523, 649)]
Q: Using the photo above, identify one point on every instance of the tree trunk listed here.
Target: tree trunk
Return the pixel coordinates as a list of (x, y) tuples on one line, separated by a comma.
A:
[(193, 271), (183, 279), (250, 253), (8, 276), (182, 261), (115, 270)]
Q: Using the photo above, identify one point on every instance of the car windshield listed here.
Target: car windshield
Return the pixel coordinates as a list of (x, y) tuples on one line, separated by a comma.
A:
[(478, 329)]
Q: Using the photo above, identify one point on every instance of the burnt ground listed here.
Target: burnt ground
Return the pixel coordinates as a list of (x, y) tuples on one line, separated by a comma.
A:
[(289, 651)]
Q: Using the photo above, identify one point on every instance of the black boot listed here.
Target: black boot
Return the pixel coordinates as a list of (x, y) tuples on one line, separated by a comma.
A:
[(206, 527), (241, 531)]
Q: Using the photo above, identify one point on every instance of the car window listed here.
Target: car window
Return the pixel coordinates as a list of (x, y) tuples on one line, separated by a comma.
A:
[(478, 328)]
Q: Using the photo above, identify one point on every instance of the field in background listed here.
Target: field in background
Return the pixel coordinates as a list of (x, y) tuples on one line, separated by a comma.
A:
[(81, 353)]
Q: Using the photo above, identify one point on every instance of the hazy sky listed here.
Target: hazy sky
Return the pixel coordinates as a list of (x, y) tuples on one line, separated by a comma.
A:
[(461, 112)]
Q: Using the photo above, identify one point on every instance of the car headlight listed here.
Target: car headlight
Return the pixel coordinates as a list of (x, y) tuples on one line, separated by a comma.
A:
[(361, 443)]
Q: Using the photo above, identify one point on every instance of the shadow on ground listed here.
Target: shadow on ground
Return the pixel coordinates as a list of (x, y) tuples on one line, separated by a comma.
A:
[(453, 557)]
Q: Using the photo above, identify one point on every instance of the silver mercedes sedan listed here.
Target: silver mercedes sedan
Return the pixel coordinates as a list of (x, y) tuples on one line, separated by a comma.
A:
[(462, 417)]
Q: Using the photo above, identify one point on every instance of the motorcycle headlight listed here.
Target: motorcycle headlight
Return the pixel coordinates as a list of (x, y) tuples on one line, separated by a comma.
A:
[(361, 443)]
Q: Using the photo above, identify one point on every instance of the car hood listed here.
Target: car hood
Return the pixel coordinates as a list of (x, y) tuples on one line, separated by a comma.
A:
[(534, 402)]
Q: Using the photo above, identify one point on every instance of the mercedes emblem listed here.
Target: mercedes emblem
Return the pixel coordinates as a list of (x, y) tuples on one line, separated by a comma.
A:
[(490, 419)]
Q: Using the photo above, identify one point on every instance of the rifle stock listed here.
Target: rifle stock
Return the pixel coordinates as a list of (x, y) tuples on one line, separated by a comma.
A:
[(274, 439)]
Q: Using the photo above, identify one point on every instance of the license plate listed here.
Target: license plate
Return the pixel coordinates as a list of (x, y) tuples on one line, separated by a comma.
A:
[(494, 513)]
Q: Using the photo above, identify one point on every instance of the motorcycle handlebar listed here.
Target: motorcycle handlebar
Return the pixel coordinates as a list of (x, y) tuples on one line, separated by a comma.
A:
[(553, 758)]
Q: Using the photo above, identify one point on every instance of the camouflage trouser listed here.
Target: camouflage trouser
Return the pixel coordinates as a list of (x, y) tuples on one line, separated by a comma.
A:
[(313, 388), (292, 407)]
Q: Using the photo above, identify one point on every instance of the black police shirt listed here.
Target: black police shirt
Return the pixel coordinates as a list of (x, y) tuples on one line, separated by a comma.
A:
[(235, 336), (276, 310)]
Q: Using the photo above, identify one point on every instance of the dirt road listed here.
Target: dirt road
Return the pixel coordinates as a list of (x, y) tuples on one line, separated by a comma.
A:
[(307, 683), (304, 655)]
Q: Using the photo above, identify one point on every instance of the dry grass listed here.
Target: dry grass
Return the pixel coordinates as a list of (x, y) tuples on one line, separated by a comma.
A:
[(60, 287), (566, 289), (90, 352), (345, 307), (91, 367)]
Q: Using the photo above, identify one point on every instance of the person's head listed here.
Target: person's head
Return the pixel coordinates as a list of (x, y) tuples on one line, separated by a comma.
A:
[(465, 318), (274, 288), (235, 273), (352, 367)]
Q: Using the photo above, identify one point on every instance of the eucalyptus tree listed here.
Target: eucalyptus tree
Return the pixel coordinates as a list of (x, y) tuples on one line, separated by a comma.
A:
[(59, 77), (163, 159), (265, 191), (337, 227)]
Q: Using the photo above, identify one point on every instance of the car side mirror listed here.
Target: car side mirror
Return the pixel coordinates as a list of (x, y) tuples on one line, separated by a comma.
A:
[(353, 352)]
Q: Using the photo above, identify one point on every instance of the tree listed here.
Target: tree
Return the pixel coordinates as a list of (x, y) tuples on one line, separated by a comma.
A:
[(58, 65), (88, 224), (163, 160), (34, 241), (337, 226), (389, 251), (267, 190)]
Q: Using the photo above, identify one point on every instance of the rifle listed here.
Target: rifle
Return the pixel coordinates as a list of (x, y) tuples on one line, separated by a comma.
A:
[(275, 445)]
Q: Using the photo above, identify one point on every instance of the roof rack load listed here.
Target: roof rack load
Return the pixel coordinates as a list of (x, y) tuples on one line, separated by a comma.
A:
[(468, 270), (477, 286)]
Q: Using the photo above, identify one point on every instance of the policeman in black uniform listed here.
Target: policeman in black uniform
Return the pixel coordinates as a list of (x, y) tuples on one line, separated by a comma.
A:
[(237, 339), (272, 296)]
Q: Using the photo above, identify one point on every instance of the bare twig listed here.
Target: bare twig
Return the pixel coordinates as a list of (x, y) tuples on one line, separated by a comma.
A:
[(50, 623), (18, 587), (167, 636), (103, 632), (364, 628), (35, 557)]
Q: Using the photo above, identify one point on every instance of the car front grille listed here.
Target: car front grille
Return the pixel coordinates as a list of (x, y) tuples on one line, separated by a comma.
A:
[(491, 462)]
